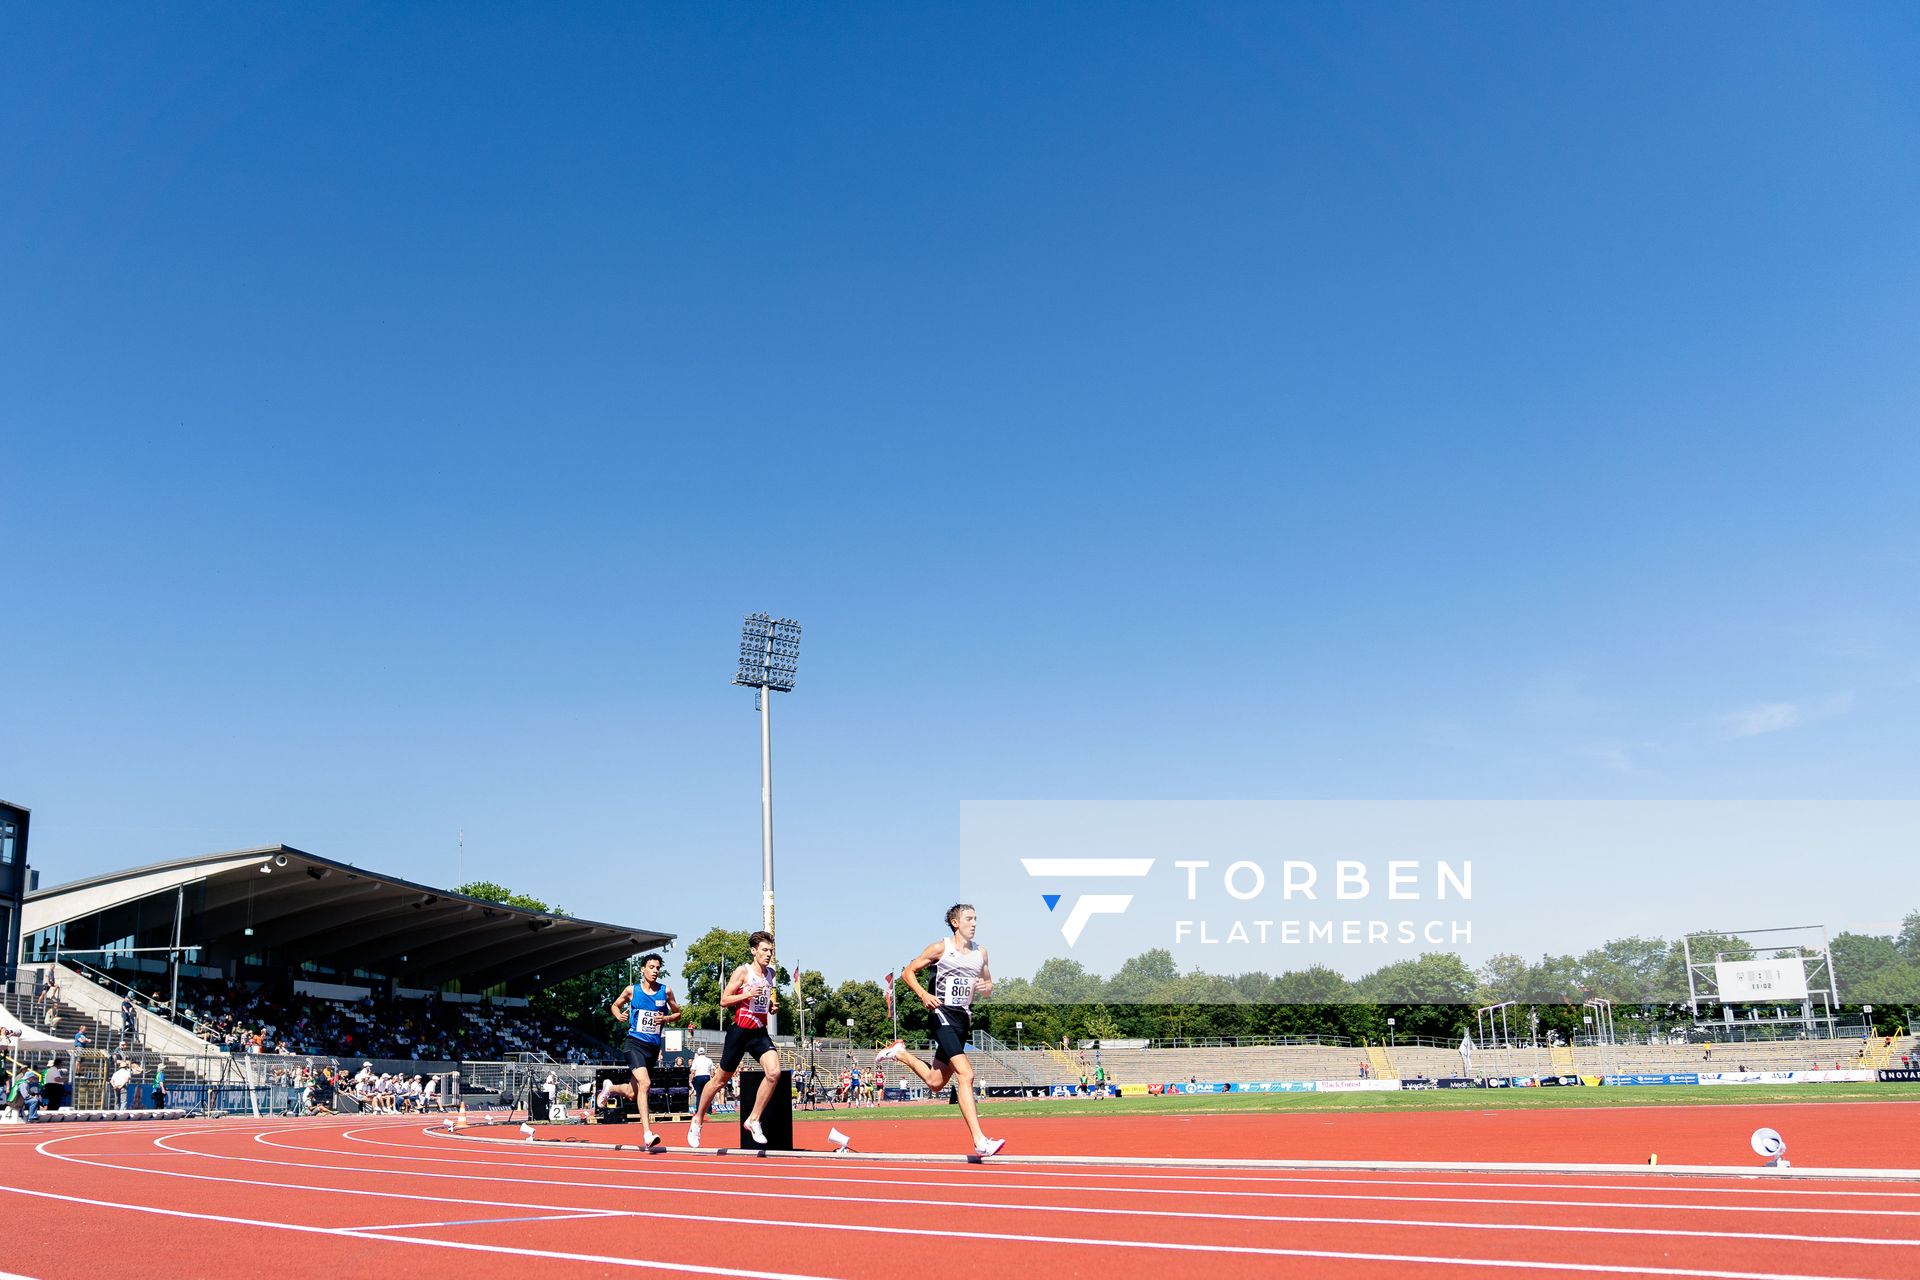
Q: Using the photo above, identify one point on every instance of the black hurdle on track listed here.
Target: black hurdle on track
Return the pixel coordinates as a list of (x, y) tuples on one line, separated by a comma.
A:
[(777, 1121)]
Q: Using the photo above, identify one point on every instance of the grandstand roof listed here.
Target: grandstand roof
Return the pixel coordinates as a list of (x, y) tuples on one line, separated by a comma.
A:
[(304, 907)]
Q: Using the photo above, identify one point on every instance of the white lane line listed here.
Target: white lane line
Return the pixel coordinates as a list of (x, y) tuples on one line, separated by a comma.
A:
[(1541, 1168), (487, 1222), (353, 1233), (902, 1201), (696, 1168), (1342, 1255), (492, 1175)]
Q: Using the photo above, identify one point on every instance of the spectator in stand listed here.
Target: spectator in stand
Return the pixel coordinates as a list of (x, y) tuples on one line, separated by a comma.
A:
[(120, 1086), (129, 1024), (700, 1072), (53, 1086), (27, 1093)]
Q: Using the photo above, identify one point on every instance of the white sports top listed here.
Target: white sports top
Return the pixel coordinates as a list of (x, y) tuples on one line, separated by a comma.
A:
[(759, 1003), (957, 972)]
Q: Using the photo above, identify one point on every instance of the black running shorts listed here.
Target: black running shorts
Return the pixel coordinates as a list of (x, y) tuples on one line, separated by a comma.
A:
[(643, 1055), (744, 1042), (951, 1027)]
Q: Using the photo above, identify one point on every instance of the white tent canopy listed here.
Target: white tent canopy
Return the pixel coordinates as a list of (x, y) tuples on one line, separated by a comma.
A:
[(17, 1035)]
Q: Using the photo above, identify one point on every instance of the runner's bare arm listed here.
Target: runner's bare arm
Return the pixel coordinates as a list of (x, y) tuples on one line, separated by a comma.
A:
[(984, 988), (622, 1003), (911, 973), (736, 992)]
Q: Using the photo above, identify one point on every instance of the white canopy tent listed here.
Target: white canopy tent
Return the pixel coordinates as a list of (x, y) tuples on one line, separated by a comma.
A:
[(21, 1038)]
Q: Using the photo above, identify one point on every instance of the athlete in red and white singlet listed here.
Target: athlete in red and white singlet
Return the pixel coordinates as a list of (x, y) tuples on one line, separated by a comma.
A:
[(752, 1012), (960, 977), (750, 995)]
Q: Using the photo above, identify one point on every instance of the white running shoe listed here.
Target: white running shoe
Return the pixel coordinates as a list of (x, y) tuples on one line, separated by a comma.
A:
[(989, 1146), (606, 1091), (755, 1132), (893, 1050), (693, 1135), (650, 1139)]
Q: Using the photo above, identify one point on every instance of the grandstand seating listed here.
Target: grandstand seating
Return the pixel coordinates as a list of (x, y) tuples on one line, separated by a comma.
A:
[(228, 1017)]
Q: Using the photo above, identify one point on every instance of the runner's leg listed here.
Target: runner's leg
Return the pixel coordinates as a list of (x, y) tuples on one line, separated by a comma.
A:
[(963, 1083), (707, 1095), (642, 1083), (770, 1064)]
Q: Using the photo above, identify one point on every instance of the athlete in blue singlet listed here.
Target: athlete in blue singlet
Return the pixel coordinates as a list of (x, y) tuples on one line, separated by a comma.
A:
[(645, 1007)]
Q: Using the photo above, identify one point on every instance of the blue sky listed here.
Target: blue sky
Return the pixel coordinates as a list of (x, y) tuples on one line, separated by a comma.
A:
[(401, 405)]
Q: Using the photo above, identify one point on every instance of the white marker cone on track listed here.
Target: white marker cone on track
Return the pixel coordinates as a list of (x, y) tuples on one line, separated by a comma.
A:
[(840, 1140), (528, 1130)]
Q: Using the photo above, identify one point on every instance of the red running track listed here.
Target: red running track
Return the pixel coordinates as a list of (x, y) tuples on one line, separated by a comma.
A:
[(396, 1198)]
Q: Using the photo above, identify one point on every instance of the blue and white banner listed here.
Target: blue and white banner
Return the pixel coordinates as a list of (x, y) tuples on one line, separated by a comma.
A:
[(1828, 1076), (1686, 1077)]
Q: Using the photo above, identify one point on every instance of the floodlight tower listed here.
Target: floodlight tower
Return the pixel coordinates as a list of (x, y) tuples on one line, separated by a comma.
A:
[(769, 659)]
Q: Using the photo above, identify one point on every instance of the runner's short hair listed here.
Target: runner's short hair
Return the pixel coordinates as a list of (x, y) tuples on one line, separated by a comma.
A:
[(757, 937), (953, 913), (652, 955)]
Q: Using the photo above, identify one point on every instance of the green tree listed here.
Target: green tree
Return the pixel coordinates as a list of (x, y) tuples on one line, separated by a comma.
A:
[(1317, 985), (1501, 978), (1891, 990), (1630, 970), (1422, 995), (488, 891), (818, 1003), (1858, 956), (1098, 1024), (866, 1004), (1437, 977), (1254, 987), (1141, 977), (709, 961), (1065, 981), (1555, 980), (1014, 1001), (1909, 939)]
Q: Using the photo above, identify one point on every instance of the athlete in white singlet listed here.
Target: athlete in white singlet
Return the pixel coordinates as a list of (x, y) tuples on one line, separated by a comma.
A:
[(960, 976)]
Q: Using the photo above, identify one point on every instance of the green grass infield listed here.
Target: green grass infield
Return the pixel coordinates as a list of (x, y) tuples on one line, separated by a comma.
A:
[(1418, 1100)]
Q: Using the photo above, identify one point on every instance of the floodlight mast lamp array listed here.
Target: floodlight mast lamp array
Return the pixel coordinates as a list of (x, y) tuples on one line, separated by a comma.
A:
[(769, 661)]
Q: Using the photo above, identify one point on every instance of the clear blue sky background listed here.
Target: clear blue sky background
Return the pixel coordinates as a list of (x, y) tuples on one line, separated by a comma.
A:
[(401, 405)]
